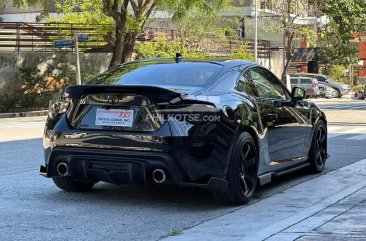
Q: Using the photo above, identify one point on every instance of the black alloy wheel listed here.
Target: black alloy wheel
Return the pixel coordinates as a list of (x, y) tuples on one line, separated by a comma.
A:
[(247, 169), (318, 151), (242, 174)]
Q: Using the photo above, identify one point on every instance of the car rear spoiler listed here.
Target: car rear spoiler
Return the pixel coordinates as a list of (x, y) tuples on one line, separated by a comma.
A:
[(151, 92)]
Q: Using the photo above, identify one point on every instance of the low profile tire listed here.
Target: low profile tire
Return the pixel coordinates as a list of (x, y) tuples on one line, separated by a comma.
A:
[(242, 173), (70, 185), (318, 150)]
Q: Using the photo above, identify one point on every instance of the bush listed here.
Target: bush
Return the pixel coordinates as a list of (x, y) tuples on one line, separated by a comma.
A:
[(14, 99), (38, 88), (162, 48), (336, 72), (241, 52), (358, 88)]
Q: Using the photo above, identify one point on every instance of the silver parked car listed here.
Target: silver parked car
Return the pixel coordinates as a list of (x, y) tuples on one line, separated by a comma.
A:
[(310, 85), (340, 88), (325, 91)]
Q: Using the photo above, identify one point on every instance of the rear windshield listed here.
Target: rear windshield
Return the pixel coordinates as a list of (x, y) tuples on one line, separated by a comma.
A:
[(144, 73)]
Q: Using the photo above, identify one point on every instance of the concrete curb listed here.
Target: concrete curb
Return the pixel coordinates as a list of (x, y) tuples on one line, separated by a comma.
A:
[(267, 219), (24, 114)]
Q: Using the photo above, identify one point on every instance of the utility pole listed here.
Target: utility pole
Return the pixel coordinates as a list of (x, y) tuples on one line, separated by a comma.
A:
[(256, 32), (78, 75)]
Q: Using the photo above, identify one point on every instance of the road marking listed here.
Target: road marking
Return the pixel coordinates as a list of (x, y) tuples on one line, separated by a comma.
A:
[(334, 128), (343, 107), (349, 131), (357, 137), (23, 125)]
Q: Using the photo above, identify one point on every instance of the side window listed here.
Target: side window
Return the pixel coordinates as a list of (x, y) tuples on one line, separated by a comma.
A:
[(321, 78), (267, 85), (294, 81), (245, 84), (225, 82), (306, 81)]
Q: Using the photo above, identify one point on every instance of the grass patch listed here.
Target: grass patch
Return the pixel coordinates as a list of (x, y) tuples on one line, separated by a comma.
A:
[(174, 232)]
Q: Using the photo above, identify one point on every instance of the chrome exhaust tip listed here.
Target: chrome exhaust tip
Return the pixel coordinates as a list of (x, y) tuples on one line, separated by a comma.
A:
[(159, 175), (62, 169)]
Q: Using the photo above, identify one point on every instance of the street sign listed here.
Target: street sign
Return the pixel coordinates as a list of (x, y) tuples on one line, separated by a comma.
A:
[(82, 37), (64, 43)]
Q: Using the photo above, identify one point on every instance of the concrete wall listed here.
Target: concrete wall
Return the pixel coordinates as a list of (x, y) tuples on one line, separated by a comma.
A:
[(275, 63), (11, 62)]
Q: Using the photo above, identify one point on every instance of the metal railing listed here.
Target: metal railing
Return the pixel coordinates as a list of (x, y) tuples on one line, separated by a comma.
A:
[(40, 37), (29, 37)]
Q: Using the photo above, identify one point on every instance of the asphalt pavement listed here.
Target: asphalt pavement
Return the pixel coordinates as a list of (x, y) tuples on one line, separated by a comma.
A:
[(32, 208)]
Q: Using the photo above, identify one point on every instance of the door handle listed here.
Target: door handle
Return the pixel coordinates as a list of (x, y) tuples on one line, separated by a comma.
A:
[(271, 117)]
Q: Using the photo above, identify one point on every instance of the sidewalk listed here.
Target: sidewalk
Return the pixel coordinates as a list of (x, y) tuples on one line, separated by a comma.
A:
[(329, 207)]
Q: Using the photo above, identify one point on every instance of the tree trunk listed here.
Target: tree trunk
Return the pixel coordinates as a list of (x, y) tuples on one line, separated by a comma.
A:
[(118, 45), (128, 46), (289, 55)]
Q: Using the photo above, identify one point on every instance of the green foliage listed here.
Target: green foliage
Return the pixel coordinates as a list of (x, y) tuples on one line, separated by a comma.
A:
[(308, 34), (347, 19), (38, 87), (206, 28), (240, 52), (162, 48), (336, 72), (358, 88), (113, 11), (182, 8), (174, 232)]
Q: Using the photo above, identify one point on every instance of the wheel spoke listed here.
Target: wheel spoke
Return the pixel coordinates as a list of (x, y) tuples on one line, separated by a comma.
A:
[(247, 169), (244, 157), (242, 177), (322, 139), (250, 162)]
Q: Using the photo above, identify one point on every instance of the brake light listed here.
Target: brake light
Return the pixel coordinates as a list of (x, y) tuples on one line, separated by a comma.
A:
[(313, 85), (57, 107)]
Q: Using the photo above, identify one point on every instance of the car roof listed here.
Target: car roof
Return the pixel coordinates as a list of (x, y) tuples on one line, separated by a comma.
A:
[(308, 74)]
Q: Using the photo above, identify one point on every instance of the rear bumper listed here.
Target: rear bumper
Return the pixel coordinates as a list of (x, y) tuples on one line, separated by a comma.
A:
[(122, 167)]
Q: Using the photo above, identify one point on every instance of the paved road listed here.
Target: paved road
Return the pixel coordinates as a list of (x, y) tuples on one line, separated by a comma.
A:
[(33, 208), (341, 104)]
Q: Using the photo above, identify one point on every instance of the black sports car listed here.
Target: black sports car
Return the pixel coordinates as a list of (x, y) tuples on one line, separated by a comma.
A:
[(223, 125)]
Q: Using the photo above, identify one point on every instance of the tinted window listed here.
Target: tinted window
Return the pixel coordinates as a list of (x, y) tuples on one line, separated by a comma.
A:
[(145, 73), (226, 82), (267, 85), (245, 84), (294, 81)]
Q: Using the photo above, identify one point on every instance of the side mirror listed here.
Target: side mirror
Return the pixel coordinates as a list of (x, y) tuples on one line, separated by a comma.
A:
[(298, 93)]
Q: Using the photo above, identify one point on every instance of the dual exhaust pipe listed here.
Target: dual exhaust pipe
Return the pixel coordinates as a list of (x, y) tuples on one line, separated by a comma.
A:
[(158, 175), (62, 169)]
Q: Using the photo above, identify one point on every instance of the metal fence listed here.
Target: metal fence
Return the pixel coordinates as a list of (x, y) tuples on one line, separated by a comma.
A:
[(40, 37), (29, 37)]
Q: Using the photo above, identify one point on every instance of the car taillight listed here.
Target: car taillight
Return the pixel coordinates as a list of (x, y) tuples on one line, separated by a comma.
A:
[(57, 107), (313, 85)]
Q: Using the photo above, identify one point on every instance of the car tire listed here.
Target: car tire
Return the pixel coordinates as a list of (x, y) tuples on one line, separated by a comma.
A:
[(242, 173), (70, 185), (318, 149), (338, 93)]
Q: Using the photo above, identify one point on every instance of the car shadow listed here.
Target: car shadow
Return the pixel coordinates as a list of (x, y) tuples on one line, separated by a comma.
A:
[(168, 196)]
